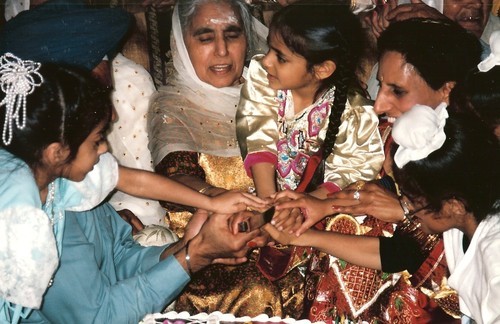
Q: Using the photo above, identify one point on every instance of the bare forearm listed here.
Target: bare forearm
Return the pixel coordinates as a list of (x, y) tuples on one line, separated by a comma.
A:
[(264, 175), (360, 250), (149, 185)]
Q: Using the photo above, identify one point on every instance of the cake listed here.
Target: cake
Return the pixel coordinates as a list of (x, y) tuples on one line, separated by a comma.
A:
[(214, 318)]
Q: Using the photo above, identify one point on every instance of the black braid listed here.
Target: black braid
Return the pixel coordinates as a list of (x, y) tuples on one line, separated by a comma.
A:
[(343, 78)]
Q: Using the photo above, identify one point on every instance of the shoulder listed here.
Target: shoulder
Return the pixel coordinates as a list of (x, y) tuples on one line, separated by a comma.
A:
[(256, 69), (359, 108), (488, 236), (17, 184)]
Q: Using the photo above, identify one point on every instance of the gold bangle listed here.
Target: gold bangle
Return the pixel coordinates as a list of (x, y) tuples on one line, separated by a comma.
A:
[(205, 189)]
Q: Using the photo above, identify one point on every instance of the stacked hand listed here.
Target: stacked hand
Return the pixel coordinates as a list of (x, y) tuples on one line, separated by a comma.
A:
[(391, 11)]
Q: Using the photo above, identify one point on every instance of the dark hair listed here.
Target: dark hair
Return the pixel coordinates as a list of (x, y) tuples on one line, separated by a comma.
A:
[(440, 50), (321, 31), (480, 92), (464, 168), (66, 108)]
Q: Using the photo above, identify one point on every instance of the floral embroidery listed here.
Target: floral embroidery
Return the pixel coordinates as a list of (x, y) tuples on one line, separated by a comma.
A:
[(300, 135)]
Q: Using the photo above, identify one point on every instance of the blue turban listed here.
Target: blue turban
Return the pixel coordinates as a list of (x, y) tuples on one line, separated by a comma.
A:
[(62, 32)]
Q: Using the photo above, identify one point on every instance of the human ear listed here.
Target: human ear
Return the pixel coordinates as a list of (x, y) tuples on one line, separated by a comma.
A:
[(454, 209), (324, 70), (446, 90), (55, 154)]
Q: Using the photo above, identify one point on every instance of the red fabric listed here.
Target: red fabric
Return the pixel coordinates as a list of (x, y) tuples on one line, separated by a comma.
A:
[(258, 157)]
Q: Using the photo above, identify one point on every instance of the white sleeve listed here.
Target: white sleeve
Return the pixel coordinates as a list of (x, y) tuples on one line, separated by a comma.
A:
[(29, 255), (96, 186)]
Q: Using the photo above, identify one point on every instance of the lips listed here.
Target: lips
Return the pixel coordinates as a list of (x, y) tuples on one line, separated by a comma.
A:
[(471, 20), (221, 68)]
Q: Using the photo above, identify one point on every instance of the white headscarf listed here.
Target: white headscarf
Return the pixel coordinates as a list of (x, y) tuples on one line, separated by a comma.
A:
[(190, 115)]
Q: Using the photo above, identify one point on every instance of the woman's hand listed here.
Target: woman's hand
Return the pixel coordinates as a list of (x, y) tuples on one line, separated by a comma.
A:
[(312, 208), (233, 201), (373, 200)]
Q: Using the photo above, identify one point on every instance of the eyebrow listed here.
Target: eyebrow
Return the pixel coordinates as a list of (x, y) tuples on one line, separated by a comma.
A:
[(206, 30)]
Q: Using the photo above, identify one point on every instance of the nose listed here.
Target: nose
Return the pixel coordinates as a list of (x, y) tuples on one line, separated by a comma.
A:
[(381, 104), (475, 3), (221, 46), (266, 61)]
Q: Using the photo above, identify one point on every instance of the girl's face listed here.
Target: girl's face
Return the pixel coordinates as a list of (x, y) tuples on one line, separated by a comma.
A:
[(285, 69), (401, 87), (216, 44), (88, 155)]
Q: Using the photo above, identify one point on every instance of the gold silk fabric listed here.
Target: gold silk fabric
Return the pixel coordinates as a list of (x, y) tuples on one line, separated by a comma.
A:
[(241, 290), (221, 172), (358, 152)]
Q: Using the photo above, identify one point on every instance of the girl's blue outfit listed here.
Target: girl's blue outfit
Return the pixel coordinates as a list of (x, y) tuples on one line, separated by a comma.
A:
[(102, 275)]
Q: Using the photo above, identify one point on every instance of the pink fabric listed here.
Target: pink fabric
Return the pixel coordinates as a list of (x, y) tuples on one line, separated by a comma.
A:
[(258, 157), (331, 187)]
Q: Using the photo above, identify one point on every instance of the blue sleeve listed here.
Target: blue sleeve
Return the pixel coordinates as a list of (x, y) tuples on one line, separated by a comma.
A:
[(104, 277)]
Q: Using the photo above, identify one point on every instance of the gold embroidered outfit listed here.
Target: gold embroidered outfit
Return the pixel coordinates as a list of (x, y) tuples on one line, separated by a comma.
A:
[(188, 115), (357, 155)]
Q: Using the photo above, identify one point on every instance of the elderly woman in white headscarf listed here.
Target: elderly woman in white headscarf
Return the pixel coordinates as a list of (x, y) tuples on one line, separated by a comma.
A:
[(193, 138)]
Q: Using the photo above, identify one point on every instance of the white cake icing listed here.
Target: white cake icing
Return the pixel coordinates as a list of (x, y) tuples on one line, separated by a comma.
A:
[(216, 318)]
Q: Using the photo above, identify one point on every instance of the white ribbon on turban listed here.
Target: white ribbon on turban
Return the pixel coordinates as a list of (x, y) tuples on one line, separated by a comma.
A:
[(419, 132)]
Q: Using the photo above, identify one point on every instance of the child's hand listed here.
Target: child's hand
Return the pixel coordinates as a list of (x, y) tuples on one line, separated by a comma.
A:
[(288, 220), (285, 237), (234, 201), (313, 209)]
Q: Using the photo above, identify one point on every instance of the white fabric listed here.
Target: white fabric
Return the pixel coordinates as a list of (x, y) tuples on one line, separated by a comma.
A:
[(27, 236), (13, 7), (196, 105), (128, 138), (494, 58), (475, 274), (419, 132), (96, 186)]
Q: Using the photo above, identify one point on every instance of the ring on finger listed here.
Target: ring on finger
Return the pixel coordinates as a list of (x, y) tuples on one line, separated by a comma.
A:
[(356, 195), (360, 184)]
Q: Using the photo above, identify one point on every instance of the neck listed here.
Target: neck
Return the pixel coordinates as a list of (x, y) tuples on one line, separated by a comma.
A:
[(43, 178), (304, 97), (469, 225)]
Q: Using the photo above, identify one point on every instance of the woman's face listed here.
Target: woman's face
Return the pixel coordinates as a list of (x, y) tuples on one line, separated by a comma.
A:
[(401, 87), (216, 44)]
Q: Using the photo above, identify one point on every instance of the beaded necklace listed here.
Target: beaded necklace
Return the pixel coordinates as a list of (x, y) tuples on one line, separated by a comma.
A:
[(56, 217)]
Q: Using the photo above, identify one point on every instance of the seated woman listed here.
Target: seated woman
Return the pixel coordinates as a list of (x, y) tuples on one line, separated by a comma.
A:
[(420, 62), (193, 138), (450, 190)]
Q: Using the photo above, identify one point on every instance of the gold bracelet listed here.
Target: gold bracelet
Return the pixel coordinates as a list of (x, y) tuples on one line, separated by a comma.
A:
[(188, 259), (205, 189)]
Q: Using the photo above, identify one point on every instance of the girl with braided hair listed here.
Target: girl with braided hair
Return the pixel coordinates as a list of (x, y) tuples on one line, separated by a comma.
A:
[(303, 122), (297, 106)]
